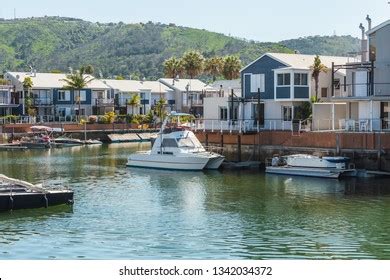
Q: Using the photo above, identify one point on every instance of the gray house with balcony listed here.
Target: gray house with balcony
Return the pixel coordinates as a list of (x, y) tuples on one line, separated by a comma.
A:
[(365, 103)]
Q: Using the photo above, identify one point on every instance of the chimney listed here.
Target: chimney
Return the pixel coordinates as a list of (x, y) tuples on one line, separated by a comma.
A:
[(364, 44), (369, 22)]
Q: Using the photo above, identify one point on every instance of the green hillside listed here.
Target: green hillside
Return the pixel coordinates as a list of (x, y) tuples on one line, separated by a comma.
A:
[(325, 45), (54, 43)]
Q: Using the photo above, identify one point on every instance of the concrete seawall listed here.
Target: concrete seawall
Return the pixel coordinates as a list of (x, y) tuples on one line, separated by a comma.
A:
[(367, 150)]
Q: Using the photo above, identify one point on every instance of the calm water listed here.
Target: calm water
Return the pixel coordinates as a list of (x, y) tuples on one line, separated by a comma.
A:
[(124, 213)]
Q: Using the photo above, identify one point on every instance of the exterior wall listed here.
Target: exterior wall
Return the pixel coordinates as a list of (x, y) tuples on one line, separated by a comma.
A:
[(264, 65), (212, 105), (380, 40)]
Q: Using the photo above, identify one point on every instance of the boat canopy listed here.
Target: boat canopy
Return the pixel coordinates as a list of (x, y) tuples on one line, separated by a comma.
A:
[(46, 128), (175, 114)]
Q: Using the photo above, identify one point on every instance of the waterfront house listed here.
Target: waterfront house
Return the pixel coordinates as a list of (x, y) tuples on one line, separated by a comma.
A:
[(10, 101), (218, 106), (278, 84), (364, 105), (50, 99), (188, 94), (149, 92)]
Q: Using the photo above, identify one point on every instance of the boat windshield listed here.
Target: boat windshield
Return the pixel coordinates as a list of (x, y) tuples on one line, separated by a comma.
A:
[(185, 143)]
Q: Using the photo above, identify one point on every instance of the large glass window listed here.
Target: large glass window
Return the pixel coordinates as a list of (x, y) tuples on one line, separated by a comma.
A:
[(284, 79), (300, 79)]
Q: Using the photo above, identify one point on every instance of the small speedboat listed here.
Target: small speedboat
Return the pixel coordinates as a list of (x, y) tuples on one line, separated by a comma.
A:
[(17, 194), (176, 147), (311, 166), (68, 142), (93, 142)]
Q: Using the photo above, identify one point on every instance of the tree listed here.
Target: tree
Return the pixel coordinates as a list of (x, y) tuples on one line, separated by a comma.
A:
[(27, 86), (160, 107), (134, 101), (173, 67), (214, 66), (193, 63), (231, 67), (316, 69), (88, 69), (76, 81)]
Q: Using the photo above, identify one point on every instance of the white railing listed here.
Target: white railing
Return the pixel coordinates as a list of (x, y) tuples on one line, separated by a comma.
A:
[(351, 125), (241, 126)]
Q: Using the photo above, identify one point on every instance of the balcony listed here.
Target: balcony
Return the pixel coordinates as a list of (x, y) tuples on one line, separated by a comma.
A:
[(102, 102), (42, 102), (361, 90)]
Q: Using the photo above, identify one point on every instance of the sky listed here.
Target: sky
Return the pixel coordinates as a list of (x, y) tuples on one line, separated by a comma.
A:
[(259, 20)]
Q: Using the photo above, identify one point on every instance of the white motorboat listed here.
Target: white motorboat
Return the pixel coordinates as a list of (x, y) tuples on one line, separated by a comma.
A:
[(176, 147), (311, 166)]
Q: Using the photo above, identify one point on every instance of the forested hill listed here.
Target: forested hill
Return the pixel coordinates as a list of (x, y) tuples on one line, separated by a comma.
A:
[(56, 43), (325, 45)]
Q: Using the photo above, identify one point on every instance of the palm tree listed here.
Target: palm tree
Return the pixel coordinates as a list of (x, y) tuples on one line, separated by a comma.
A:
[(316, 69), (88, 69), (160, 106), (231, 67), (193, 63), (27, 86), (173, 67), (76, 81), (214, 66), (134, 101)]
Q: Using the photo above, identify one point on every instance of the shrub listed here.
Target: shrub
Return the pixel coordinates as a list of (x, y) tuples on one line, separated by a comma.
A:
[(92, 119)]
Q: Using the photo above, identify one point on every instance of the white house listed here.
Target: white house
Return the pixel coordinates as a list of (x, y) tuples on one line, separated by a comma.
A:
[(150, 92), (188, 93), (50, 99)]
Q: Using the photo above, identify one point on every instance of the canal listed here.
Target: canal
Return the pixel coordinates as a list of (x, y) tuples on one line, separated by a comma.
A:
[(126, 213)]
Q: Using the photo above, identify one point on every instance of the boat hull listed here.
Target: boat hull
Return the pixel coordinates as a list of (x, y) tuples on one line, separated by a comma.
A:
[(304, 171), (214, 162), (167, 162), (31, 200), (318, 162)]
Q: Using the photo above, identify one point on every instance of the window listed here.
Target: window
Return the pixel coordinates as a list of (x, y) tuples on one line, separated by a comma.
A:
[(83, 95), (223, 113), (284, 79), (257, 82), (324, 92), (63, 95), (300, 79), (185, 143), (169, 143), (62, 112), (287, 113)]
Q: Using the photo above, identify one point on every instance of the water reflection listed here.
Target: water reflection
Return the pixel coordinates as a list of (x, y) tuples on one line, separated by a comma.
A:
[(132, 213)]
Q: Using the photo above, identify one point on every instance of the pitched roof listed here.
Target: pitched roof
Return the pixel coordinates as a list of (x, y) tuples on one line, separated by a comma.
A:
[(136, 86), (182, 84), (376, 28), (303, 61), (234, 84), (53, 80)]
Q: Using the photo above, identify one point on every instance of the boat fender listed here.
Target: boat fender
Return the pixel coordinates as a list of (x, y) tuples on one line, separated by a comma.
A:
[(46, 201), (11, 200)]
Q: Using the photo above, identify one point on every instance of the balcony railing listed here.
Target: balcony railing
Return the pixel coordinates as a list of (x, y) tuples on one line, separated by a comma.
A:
[(4, 100), (42, 101), (361, 90), (104, 102)]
